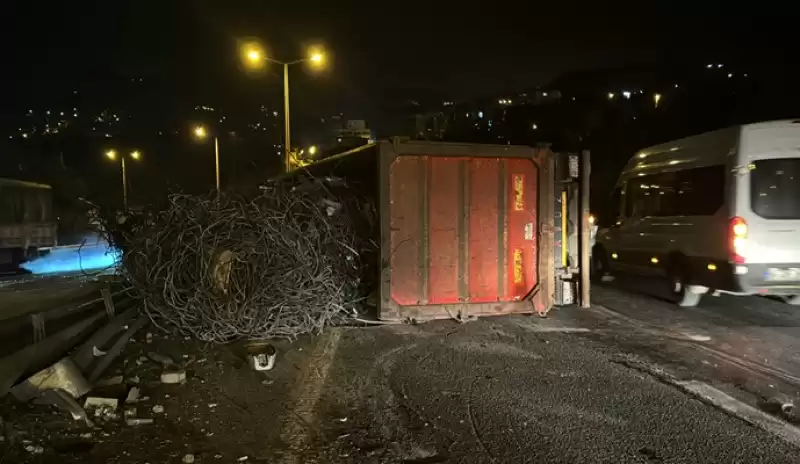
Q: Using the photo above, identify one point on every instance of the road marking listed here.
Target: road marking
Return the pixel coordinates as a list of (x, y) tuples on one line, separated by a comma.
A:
[(731, 405), (300, 422)]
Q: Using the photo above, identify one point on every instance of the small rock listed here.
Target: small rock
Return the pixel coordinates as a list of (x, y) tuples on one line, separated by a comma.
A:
[(148, 337), (34, 449), (267, 382), (97, 352), (188, 459), (86, 435), (138, 421), (158, 409), (171, 377), (243, 458), (133, 395)]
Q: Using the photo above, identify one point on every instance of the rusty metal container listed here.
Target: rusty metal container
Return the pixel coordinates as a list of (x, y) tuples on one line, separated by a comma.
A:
[(465, 229)]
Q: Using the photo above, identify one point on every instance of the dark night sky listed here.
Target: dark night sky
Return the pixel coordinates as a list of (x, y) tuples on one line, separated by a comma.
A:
[(462, 49)]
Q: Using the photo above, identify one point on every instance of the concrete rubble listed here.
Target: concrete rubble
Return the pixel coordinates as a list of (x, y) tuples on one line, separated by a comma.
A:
[(63, 375), (173, 377)]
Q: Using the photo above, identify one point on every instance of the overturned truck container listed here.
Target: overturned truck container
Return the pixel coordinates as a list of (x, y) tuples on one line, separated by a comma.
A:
[(462, 230)]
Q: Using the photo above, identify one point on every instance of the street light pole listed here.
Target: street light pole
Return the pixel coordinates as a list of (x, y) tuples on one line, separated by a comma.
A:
[(216, 159), (254, 57), (124, 184), (287, 130)]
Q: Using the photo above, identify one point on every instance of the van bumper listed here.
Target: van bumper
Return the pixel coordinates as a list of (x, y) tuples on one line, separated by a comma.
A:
[(756, 280)]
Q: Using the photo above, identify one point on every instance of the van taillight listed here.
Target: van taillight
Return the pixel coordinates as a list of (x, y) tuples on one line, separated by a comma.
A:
[(738, 239)]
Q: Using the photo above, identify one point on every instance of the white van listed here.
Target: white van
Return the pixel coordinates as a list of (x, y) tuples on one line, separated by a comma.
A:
[(718, 212)]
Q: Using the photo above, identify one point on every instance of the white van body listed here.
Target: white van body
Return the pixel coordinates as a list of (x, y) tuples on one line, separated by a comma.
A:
[(714, 212)]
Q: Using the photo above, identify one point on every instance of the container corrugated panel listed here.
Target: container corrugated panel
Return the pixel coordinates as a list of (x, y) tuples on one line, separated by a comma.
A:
[(461, 230)]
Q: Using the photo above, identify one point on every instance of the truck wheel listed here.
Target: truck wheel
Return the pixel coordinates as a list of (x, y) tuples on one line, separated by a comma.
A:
[(679, 282)]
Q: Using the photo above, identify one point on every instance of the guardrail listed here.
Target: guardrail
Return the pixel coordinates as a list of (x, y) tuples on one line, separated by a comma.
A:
[(31, 342)]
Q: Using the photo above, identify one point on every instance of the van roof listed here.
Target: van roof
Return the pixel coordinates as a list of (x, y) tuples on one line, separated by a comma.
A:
[(22, 183), (706, 149)]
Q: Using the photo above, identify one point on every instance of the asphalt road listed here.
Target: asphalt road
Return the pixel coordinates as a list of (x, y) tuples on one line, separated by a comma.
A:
[(514, 389)]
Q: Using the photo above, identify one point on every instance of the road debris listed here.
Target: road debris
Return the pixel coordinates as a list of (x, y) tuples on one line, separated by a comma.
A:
[(104, 408), (287, 255), (63, 375), (133, 395), (97, 352), (188, 459), (172, 377), (138, 421), (34, 449)]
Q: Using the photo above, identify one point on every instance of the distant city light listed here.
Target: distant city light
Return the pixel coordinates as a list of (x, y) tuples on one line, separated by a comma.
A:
[(719, 66), (480, 114), (544, 94), (312, 150), (534, 126), (611, 95), (111, 154), (709, 66), (136, 155), (730, 75), (656, 99), (626, 94), (24, 135)]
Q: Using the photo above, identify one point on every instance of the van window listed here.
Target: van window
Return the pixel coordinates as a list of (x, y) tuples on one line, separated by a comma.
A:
[(700, 191), (651, 195), (775, 188), (692, 192)]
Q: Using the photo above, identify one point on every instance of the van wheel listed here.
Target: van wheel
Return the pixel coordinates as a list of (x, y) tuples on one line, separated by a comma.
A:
[(599, 263), (679, 282)]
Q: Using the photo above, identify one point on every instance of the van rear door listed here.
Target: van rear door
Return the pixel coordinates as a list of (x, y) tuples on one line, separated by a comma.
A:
[(774, 217)]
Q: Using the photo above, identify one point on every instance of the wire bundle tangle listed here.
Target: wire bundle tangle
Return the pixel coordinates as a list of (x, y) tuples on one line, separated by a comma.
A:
[(222, 267)]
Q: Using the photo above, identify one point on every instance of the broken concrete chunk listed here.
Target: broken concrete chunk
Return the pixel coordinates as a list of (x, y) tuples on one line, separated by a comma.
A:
[(171, 377), (133, 395), (100, 402), (63, 375), (103, 407)]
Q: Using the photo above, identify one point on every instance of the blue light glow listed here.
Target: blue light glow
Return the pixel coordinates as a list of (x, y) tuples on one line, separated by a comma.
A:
[(94, 255)]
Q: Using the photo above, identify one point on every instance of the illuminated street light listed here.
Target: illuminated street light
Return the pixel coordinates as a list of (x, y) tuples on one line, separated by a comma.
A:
[(254, 57), (312, 150), (201, 133), (656, 99), (135, 155)]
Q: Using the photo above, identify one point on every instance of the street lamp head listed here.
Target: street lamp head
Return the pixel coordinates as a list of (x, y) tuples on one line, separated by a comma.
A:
[(111, 154), (136, 154), (316, 57), (312, 150), (200, 132), (253, 55)]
